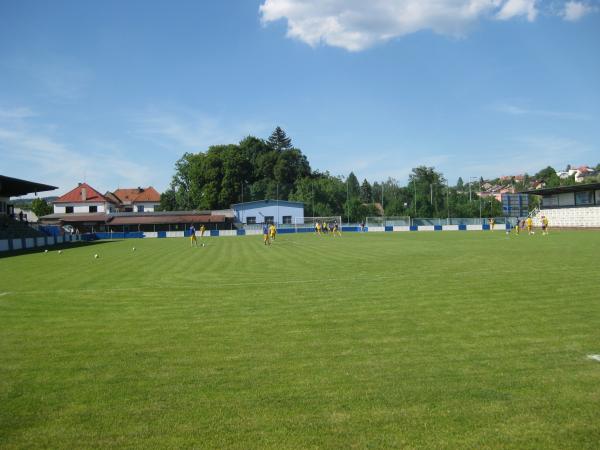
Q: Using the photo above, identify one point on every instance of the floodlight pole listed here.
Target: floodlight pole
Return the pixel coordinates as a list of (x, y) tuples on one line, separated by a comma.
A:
[(480, 197), (313, 197), (415, 189), (347, 202), (448, 199)]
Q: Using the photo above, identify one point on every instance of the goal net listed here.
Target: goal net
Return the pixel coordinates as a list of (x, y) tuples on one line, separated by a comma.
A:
[(388, 221), (311, 222)]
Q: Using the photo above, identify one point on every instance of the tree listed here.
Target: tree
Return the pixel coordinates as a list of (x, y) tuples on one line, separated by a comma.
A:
[(168, 200), (460, 184), (366, 192), (430, 189), (279, 141), (353, 186), (40, 207)]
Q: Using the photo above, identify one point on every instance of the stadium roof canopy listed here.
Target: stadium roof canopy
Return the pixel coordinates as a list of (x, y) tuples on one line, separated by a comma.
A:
[(14, 187), (564, 189)]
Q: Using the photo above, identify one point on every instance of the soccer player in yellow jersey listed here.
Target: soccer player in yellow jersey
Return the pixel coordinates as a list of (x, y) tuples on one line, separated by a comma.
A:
[(529, 223), (544, 225), (202, 229), (272, 231), (492, 223), (336, 229), (318, 227)]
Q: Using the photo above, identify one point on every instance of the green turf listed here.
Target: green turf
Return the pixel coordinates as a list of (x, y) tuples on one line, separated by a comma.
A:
[(438, 340)]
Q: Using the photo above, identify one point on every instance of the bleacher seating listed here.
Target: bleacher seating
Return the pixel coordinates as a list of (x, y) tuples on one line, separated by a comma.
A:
[(580, 217), (14, 229)]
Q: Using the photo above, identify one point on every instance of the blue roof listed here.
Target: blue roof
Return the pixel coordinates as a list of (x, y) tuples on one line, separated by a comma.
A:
[(269, 202)]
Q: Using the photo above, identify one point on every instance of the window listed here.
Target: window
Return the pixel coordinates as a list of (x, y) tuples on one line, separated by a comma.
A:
[(93, 209), (128, 209), (584, 198), (251, 220), (269, 219), (69, 209), (287, 219), (140, 208)]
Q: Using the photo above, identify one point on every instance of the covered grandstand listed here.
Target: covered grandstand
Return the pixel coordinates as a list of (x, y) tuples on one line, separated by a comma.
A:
[(10, 226), (575, 206)]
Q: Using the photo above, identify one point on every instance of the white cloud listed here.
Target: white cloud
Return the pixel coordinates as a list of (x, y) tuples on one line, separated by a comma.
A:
[(16, 113), (515, 110), (190, 130), (576, 10), (32, 154), (514, 8), (358, 24)]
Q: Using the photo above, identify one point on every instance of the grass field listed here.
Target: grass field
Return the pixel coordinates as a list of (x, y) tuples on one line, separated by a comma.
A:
[(379, 340)]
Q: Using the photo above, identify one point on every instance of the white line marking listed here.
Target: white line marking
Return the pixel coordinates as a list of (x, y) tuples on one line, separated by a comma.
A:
[(594, 357), (2, 294)]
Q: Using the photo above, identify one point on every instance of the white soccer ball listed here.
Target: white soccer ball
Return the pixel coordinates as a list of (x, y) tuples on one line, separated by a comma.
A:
[(46, 251), (133, 249), (533, 232), (203, 244), (60, 252), (96, 256)]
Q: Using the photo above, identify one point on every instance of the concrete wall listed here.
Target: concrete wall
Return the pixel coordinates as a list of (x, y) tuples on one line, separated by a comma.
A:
[(40, 242), (60, 208), (148, 206)]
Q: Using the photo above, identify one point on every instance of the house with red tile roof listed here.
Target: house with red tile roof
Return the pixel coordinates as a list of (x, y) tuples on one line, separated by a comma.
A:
[(83, 199), (136, 200)]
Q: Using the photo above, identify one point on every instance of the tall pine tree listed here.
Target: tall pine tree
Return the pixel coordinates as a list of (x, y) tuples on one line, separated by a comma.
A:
[(279, 141)]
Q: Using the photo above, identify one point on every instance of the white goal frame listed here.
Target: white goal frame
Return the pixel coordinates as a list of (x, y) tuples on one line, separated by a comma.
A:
[(390, 221)]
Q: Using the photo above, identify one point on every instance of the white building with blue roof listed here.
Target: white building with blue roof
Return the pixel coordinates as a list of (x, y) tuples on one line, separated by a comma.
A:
[(279, 212)]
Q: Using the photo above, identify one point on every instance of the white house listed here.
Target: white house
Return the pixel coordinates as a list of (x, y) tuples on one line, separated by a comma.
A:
[(269, 211), (82, 199), (136, 199)]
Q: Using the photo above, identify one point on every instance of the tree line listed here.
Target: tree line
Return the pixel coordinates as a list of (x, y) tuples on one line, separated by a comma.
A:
[(257, 169)]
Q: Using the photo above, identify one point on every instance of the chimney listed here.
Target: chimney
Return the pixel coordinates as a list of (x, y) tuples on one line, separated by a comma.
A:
[(83, 194)]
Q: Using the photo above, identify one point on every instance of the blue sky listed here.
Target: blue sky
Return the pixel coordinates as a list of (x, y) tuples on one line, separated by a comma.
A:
[(115, 92)]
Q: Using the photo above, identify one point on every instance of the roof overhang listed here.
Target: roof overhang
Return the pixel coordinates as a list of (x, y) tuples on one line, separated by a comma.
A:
[(564, 189), (14, 187)]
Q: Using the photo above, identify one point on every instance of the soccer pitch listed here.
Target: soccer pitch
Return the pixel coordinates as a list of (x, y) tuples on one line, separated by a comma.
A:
[(375, 340)]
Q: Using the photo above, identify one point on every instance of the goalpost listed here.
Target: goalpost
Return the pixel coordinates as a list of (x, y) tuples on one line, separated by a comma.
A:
[(389, 221), (310, 222)]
